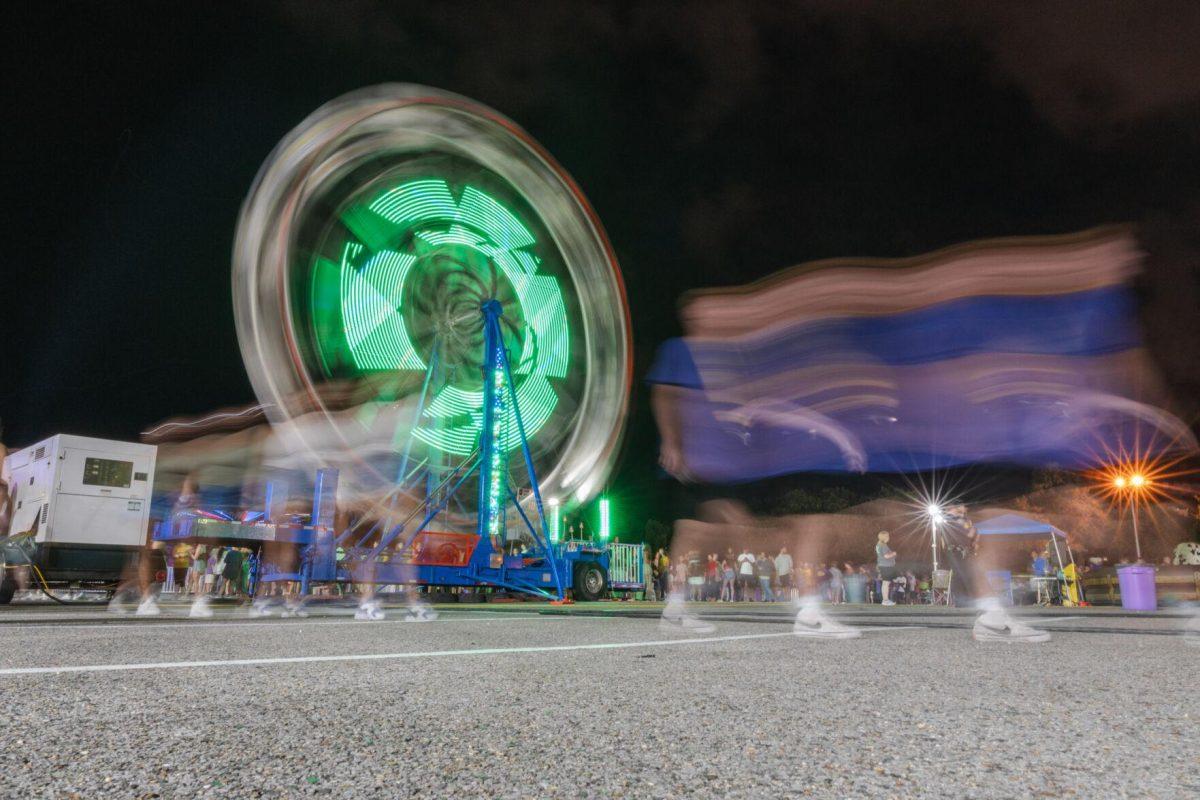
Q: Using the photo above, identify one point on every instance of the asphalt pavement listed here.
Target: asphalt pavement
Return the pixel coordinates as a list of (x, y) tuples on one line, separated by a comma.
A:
[(532, 701)]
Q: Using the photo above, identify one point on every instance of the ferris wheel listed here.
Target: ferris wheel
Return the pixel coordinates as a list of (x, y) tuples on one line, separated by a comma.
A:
[(422, 294)]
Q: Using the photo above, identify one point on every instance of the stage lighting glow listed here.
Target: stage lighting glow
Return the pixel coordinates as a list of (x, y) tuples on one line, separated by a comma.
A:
[(935, 513), (1137, 481), (1119, 482)]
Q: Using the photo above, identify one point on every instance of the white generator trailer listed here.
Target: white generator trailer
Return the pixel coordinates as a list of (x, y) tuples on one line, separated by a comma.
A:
[(80, 510)]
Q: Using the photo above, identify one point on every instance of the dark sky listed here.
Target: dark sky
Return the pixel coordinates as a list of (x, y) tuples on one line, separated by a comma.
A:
[(718, 143)]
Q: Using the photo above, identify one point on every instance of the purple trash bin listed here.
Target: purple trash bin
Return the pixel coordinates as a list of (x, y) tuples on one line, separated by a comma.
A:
[(1137, 587)]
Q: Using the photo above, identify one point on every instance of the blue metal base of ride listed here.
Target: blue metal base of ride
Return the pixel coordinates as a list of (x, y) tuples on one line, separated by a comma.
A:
[(319, 559)]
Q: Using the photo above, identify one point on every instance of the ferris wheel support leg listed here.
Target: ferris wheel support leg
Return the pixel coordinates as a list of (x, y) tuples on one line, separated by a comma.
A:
[(402, 472), (493, 348), (544, 529)]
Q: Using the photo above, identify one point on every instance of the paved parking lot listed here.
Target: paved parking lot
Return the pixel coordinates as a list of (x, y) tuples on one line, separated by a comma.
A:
[(514, 702)]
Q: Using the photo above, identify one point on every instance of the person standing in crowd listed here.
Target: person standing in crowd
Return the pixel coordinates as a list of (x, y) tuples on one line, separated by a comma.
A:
[(868, 579), (230, 579), (712, 577), (766, 575), (885, 562), (746, 581), (836, 589), (649, 576), (728, 576), (783, 569), (695, 576), (1039, 565), (664, 574)]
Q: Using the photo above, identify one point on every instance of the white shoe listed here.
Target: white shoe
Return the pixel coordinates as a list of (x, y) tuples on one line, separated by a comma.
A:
[(369, 611), (419, 612), (811, 621), (117, 606), (262, 607), (295, 608), (201, 608), (148, 608), (888, 603), (995, 625), (676, 618)]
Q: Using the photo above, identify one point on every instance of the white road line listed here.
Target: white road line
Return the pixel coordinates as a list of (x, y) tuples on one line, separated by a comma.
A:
[(487, 651), (1043, 621)]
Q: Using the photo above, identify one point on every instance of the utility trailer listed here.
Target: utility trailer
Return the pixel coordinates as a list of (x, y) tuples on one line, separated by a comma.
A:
[(81, 510)]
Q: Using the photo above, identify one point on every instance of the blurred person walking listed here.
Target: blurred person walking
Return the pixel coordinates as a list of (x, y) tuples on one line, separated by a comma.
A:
[(994, 623)]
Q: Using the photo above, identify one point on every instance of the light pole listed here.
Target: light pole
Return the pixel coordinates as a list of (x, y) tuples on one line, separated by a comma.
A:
[(1134, 484), (934, 512)]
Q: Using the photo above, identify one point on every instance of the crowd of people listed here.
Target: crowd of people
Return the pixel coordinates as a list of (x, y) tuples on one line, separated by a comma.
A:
[(200, 570), (759, 576)]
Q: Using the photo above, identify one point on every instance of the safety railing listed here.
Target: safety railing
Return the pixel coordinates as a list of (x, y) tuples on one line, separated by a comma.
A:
[(626, 567)]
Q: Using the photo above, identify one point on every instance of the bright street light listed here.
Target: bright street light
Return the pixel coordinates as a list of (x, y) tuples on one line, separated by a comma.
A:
[(1135, 484), (936, 517)]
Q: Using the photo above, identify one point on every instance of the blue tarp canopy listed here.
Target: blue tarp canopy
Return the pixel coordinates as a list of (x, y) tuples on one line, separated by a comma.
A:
[(1016, 525)]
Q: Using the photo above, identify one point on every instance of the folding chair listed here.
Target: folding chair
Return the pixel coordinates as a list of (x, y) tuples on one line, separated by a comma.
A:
[(940, 587), (1044, 584)]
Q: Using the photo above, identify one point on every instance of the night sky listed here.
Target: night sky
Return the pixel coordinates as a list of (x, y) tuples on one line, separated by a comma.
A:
[(717, 142)]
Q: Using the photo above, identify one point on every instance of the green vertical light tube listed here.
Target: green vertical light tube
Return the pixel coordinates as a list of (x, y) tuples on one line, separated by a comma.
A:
[(605, 520), (555, 517)]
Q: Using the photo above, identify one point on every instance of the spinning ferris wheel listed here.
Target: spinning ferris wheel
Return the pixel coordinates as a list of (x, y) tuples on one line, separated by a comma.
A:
[(423, 293)]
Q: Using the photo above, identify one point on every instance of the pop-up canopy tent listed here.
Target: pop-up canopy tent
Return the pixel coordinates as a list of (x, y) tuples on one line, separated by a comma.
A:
[(1017, 525)]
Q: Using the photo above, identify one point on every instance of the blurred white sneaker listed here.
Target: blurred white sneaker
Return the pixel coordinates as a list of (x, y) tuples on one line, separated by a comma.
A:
[(675, 618), (295, 608), (419, 612), (813, 622), (369, 611), (888, 603), (995, 625), (117, 606), (148, 608), (262, 607), (201, 608)]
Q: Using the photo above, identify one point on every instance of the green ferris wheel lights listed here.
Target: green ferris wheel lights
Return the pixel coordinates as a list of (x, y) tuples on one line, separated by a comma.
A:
[(465, 249)]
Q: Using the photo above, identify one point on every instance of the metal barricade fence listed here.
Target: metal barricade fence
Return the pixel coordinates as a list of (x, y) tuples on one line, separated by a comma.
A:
[(626, 567)]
